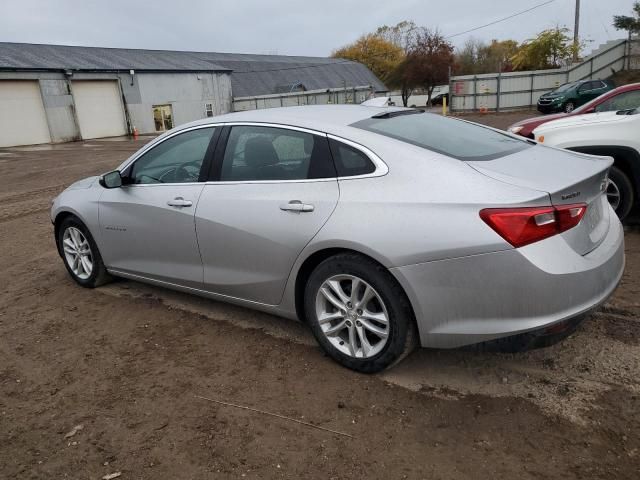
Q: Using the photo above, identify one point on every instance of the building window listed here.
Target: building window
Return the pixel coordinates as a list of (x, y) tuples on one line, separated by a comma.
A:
[(163, 117), (208, 109)]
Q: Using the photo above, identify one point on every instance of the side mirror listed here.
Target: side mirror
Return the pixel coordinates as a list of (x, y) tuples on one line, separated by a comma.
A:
[(111, 180)]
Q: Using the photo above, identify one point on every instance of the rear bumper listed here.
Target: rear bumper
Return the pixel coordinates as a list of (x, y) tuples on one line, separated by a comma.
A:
[(473, 299)]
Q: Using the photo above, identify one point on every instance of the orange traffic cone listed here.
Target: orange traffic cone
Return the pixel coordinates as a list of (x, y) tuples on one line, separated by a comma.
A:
[(135, 133)]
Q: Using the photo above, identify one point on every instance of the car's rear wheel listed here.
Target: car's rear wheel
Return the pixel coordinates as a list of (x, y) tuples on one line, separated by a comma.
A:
[(80, 254), (569, 107), (620, 192), (358, 313)]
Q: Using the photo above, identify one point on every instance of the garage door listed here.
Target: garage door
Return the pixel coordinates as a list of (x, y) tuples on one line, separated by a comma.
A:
[(22, 117), (99, 109)]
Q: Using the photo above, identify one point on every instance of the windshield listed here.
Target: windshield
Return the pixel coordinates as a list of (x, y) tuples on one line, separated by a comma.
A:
[(452, 137)]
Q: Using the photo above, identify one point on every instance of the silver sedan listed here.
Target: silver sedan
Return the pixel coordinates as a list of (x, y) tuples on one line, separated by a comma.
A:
[(380, 227)]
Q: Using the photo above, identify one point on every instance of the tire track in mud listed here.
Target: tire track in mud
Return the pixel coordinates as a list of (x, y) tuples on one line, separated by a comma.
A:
[(29, 194), (27, 203)]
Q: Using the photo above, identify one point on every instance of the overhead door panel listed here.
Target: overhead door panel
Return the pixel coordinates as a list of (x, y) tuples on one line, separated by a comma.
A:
[(99, 109), (22, 116)]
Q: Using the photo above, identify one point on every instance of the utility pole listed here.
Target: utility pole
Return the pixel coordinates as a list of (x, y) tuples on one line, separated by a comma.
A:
[(576, 31)]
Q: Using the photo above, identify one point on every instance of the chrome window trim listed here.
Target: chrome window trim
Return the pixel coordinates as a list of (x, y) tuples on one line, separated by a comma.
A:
[(137, 185), (381, 168), (283, 126), (159, 141)]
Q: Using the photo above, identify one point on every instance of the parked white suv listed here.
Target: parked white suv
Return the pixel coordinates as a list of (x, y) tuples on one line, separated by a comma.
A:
[(614, 134)]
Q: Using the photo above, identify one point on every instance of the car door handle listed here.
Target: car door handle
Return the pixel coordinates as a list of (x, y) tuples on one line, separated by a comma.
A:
[(179, 202), (297, 206)]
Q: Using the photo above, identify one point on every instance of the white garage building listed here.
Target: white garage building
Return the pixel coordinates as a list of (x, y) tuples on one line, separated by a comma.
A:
[(56, 93)]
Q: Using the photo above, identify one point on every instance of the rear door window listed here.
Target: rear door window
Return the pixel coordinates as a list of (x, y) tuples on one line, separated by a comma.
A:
[(451, 137), (256, 153)]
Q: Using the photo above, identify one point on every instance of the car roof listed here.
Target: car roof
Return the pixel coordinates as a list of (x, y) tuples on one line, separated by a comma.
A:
[(324, 118)]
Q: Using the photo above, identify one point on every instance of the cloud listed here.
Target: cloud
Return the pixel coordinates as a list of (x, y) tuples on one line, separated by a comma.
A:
[(284, 27)]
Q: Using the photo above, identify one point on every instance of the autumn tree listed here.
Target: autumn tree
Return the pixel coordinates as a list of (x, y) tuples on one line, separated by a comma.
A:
[(380, 55), (402, 35), (467, 57), (550, 49), (403, 78), (497, 55), (427, 62), (477, 57)]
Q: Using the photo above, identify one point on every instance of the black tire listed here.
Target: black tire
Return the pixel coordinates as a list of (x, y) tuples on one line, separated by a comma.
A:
[(402, 328), (99, 275), (625, 188), (569, 107)]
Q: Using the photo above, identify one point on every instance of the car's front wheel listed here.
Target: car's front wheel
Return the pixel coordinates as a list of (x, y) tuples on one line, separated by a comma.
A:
[(358, 313), (620, 192), (80, 254), (569, 107)]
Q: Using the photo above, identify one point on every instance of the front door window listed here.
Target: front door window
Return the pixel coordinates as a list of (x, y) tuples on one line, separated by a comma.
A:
[(176, 160), (163, 117)]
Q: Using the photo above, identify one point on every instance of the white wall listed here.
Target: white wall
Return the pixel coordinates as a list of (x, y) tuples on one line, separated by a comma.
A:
[(187, 94)]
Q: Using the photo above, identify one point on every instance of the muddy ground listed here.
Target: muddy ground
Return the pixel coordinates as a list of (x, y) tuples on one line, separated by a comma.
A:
[(129, 363)]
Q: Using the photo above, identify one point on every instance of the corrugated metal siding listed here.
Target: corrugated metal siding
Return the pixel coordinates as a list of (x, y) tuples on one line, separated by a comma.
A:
[(252, 74), (317, 97), (522, 89)]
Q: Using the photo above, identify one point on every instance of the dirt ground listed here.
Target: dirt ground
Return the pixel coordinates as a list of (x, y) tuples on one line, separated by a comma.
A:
[(129, 363)]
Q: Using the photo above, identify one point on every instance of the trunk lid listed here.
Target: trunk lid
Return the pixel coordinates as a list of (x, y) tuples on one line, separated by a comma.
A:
[(568, 178)]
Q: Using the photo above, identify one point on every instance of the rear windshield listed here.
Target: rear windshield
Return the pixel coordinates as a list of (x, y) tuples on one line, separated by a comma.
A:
[(455, 138)]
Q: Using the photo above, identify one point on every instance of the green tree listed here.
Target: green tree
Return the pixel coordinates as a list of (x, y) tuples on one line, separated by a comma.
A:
[(630, 24), (379, 55), (550, 49)]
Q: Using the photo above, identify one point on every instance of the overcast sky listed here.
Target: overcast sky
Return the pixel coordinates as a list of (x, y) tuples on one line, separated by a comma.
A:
[(285, 27)]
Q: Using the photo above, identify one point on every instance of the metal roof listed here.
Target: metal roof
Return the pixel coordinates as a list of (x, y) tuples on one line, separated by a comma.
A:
[(250, 74)]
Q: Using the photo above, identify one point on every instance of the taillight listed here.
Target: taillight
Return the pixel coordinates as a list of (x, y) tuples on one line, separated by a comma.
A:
[(522, 226)]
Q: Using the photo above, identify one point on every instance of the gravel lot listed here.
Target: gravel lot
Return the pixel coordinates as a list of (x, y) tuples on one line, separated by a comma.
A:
[(128, 362)]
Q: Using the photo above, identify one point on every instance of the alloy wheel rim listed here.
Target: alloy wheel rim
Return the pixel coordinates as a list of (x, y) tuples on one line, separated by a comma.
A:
[(77, 253), (568, 108), (613, 194), (352, 316)]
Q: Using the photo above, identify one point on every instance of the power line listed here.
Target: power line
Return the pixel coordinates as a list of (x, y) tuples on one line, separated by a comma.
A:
[(350, 61), (501, 19)]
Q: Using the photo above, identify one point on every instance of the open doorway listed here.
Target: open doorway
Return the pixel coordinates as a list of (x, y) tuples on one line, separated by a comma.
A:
[(163, 117)]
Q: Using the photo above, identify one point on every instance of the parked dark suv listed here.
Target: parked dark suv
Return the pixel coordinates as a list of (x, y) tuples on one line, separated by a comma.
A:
[(571, 95)]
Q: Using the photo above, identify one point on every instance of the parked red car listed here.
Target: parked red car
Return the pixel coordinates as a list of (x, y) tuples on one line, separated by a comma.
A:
[(627, 96)]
